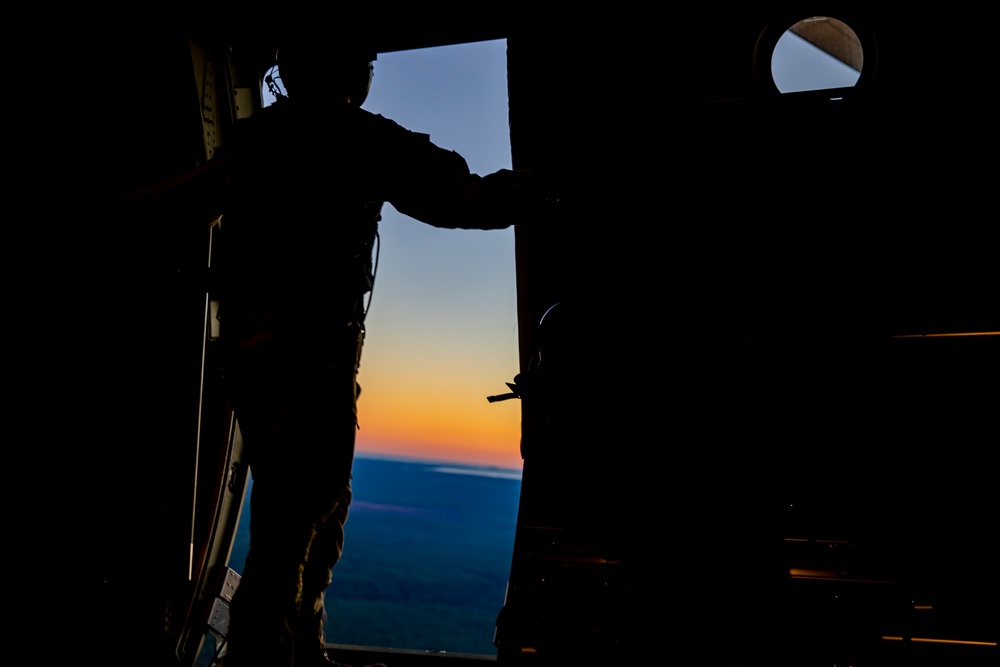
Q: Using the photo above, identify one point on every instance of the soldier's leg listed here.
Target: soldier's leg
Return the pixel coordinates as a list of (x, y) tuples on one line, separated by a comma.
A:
[(324, 554), (328, 486), (298, 414), (265, 605)]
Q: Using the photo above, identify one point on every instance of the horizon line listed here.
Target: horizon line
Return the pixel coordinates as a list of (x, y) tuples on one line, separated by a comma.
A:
[(432, 461)]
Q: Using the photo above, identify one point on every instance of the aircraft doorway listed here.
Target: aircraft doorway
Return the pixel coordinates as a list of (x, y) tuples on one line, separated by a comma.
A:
[(437, 474)]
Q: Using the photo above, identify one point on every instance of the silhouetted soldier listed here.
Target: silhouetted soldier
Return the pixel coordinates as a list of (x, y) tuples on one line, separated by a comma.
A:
[(311, 173)]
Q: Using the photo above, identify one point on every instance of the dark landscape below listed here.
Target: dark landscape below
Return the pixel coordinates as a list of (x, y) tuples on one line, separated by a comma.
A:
[(426, 558)]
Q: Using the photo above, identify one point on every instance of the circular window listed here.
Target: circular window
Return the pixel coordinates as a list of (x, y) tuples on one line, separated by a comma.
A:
[(812, 53)]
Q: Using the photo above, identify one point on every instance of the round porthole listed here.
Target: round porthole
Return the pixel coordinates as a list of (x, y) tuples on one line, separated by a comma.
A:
[(814, 53)]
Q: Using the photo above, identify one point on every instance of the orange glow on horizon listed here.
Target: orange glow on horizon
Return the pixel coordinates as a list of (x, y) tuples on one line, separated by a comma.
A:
[(465, 431), (424, 405)]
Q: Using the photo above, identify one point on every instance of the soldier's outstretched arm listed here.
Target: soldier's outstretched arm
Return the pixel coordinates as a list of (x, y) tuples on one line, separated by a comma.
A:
[(439, 190)]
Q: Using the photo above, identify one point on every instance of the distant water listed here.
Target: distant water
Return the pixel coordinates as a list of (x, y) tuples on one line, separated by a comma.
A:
[(426, 557)]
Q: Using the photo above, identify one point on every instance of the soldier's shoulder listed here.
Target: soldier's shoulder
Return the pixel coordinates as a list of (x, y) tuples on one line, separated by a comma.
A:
[(380, 123)]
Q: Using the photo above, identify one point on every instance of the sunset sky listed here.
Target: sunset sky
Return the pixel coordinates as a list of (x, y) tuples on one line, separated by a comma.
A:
[(442, 329)]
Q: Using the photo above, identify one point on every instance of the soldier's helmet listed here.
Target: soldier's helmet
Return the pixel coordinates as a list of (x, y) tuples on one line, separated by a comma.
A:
[(316, 61)]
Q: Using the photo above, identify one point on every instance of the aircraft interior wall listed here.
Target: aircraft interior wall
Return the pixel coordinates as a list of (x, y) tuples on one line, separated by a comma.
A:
[(714, 369)]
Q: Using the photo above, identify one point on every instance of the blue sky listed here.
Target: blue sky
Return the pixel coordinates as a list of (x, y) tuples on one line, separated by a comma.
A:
[(797, 65)]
